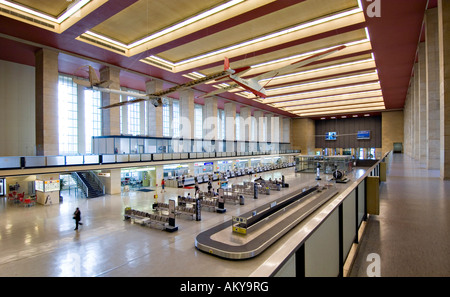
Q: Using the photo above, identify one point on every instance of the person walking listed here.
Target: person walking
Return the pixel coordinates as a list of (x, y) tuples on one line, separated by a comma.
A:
[(162, 185), (77, 218)]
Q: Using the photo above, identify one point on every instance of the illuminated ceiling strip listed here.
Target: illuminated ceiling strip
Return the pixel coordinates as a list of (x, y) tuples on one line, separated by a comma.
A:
[(324, 81), (333, 103), (270, 36), (169, 29), (320, 69), (186, 22), (326, 99), (349, 44), (72, 9), (284, 98), (334, 108), (346, 110)]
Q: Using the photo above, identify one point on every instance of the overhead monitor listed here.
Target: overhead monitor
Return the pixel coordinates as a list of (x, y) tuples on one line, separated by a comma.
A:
[(330, 136), (363, 134)]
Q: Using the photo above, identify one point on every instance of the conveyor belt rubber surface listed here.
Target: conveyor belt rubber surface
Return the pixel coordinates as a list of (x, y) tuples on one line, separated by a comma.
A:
[(264, 230)]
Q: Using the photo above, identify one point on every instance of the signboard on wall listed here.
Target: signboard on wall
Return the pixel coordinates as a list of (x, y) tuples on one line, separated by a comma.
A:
[(51, 185)]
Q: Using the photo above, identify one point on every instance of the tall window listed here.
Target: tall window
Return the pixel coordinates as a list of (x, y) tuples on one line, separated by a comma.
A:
[(67, 116), (176, 118), (237, 133), (166, 120), (93, 117), (134, 122), (198, 121), (221, 124)]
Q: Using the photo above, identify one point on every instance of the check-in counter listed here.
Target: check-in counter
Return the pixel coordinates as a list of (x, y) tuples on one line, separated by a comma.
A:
[(189, 181)]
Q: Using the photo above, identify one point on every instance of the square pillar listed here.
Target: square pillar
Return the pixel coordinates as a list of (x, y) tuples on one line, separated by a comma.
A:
[(47, 134), (416, 121), (210, 128), (187, 118), (154, 114), (81, 120), (111, 116), (432, 89), (230, 125), (444, 79), (423, 148)]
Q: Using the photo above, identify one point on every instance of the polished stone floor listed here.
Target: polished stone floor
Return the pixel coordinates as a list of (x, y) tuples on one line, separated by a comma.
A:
[(411, 234), (41, 241)]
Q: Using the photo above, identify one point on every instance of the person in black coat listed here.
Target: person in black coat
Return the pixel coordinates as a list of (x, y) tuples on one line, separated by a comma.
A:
[(77, 218)]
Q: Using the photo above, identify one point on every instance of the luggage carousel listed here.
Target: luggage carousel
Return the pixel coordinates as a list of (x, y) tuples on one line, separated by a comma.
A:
[(251, 233)]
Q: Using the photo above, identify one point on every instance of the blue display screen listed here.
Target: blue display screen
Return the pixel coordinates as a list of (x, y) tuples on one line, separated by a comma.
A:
[(330, 136), (363, 134)]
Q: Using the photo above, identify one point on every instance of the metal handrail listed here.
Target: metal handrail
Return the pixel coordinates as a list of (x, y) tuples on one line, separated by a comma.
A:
[(80, 183)]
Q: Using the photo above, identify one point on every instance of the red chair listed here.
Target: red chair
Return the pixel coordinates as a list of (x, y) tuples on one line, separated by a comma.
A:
[(27, 202)]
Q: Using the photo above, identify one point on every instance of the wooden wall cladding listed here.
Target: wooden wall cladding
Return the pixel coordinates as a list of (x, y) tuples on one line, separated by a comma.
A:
[(346, 130)]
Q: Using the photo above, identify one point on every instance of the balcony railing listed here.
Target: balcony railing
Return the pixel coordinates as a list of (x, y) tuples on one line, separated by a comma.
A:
[(17, 162)]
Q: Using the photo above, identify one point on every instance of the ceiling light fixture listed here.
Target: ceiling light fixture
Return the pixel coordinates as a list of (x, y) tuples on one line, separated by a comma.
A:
[(320, 69), (70, 11), (169, 29)]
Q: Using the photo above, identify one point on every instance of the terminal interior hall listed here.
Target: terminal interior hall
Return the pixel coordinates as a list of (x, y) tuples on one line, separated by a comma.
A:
[(224, 138)]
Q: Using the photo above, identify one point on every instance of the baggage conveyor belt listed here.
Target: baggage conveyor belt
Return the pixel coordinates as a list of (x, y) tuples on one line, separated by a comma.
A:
[(264, 228)]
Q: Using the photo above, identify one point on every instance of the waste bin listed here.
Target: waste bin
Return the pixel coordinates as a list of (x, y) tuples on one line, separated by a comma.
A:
[(241, 200)]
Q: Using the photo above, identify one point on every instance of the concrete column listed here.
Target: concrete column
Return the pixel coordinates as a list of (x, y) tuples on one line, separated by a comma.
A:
[(407, 124), (259, 117), (272, 131), (246, 123), (412, 106), (111, 182), (287, 130), (230, 125), (280, 129), (187, 118), (111, 116), (210, 123), (47, 134), (81, 120), (432, 89), (422, 105), (269, 127), (444, 74), (416, 112), (154, 114)]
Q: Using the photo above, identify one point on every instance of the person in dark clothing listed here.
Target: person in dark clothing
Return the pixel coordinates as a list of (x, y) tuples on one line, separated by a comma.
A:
[(77, 218)]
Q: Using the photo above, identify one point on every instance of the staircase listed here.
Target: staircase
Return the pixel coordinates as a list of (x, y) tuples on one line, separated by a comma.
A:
[(89, 183)]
